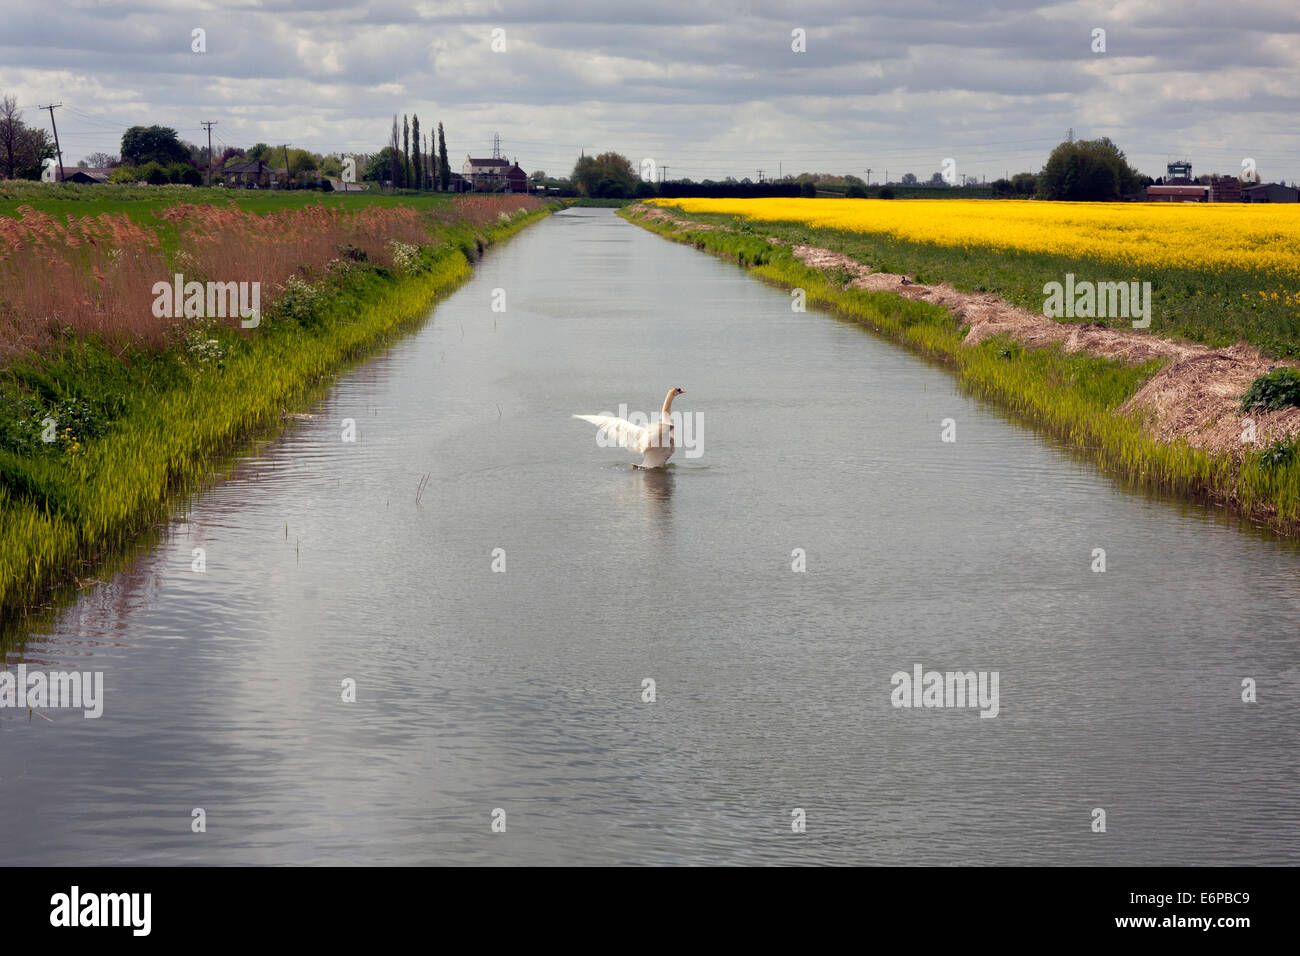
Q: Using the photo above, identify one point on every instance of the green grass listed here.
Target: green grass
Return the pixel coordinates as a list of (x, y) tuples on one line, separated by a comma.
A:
[(146, 425), (1207, 308), (1074, 396)]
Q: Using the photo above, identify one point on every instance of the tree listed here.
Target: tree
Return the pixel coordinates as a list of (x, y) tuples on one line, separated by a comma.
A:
[(406, 152), (909, 179), (380, 166), (415, 136), (608, 175), (537, 176), (1094, 170), (144, 144), (198, 155), (395, 152), (260, 153), (101, 161), (936, 180), (444, 168), (22, 148), (1025, 184), (855, 191), (807, 189)]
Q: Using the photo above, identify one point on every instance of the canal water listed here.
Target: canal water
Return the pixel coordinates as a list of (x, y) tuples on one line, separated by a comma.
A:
[(500, 627)]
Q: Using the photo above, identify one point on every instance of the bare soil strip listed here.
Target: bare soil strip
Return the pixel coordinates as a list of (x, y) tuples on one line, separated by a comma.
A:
[(1195, 397)]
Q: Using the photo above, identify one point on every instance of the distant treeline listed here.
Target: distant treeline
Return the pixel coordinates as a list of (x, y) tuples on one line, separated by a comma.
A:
[(727, 190)]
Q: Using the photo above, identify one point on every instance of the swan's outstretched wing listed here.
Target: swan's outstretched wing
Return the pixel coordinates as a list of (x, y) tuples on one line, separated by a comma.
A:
[(622, 431)]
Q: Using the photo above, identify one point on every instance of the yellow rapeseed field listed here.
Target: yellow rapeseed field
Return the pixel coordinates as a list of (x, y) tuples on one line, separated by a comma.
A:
[(1210, 237)]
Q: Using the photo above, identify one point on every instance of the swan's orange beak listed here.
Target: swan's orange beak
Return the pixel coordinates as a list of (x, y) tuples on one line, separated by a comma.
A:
[(681, 391)]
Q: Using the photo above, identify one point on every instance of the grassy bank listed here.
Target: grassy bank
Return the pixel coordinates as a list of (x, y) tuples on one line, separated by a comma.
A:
[(133, 424), (1071, 395)]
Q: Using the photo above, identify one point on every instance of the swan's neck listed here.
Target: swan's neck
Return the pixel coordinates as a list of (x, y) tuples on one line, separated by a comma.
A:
[(668, 404)]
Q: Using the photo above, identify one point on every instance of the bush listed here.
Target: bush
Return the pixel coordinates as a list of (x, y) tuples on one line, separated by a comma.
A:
[(644, 190), (1278, 453), (184, 174), (1280, 388), (155, 174), (855, 192), (885, 193), (808, 191)]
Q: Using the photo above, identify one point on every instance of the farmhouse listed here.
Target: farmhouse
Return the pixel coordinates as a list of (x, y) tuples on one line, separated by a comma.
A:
[(495, 173), (251, 174)]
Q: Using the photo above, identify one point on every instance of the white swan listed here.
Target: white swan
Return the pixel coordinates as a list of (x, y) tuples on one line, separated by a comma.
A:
[(655, 442)]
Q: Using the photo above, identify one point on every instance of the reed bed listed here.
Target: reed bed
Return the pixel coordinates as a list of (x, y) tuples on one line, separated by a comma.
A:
[(93, 276)]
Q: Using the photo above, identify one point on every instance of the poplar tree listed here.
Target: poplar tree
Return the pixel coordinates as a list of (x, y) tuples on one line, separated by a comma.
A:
[(395, 144), (415, 135), (406, 151), (444, 170)]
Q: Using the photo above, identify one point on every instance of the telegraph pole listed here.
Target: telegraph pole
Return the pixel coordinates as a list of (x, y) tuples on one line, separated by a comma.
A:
[(868, 175), (209, 124), (52, 107)]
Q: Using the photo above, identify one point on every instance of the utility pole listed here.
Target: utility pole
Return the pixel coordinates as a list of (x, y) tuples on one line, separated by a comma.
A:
[(52, 107), (663, 173), (209, 124), (868, 175), (286, 165), (760, 175)]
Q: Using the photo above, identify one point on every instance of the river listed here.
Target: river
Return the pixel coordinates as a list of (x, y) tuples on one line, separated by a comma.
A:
[(510, 685)]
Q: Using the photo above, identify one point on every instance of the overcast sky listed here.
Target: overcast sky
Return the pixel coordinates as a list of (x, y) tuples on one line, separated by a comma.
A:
[(705, 88)]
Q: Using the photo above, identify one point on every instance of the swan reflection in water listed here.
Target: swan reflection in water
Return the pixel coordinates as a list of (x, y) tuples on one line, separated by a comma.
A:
[(645, 497), (657, 487)]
